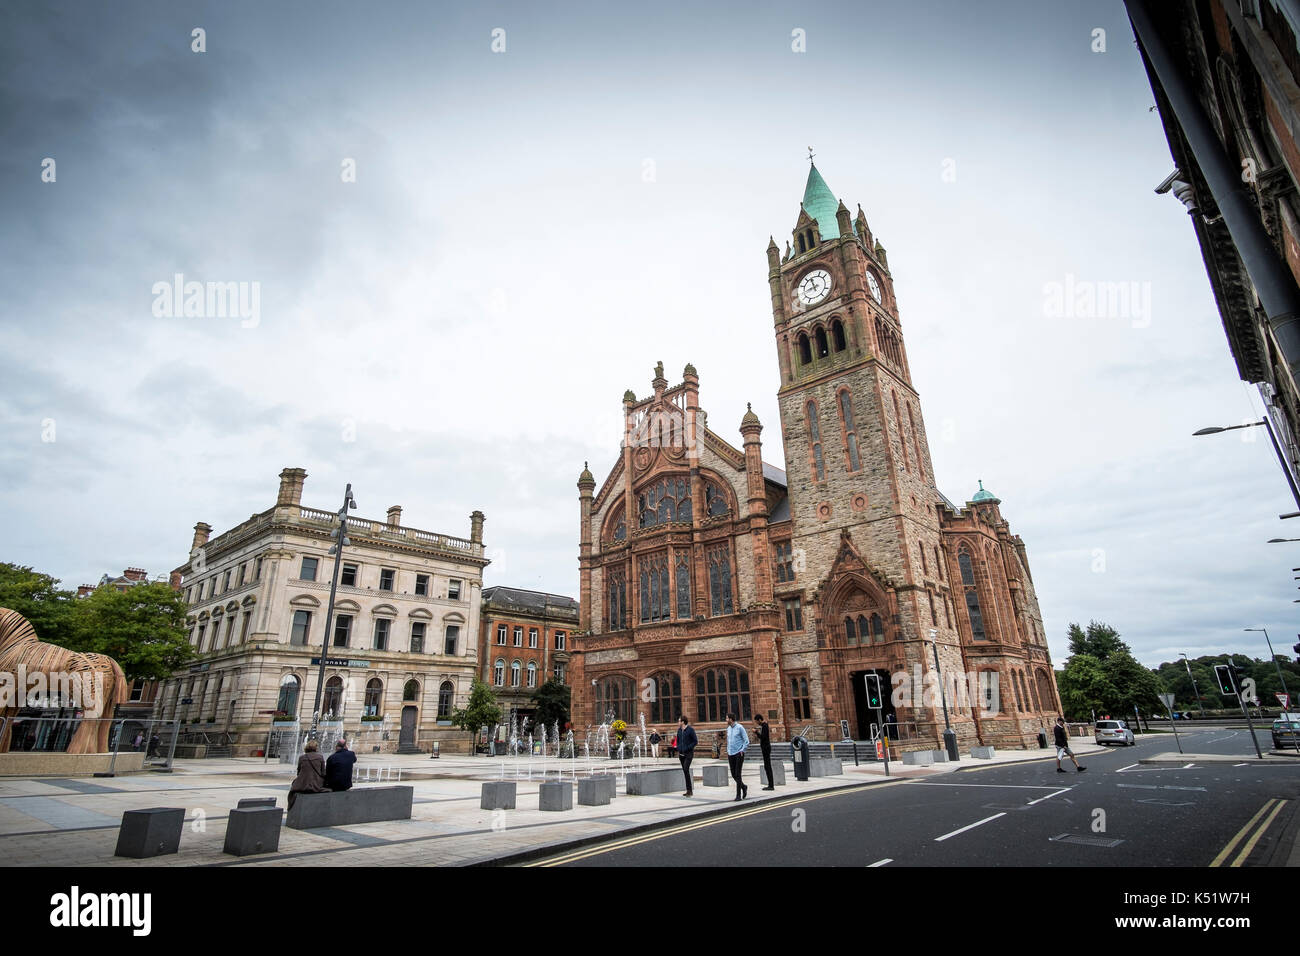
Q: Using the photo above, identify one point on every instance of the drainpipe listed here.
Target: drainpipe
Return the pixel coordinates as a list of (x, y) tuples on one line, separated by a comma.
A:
[(1268, 273)]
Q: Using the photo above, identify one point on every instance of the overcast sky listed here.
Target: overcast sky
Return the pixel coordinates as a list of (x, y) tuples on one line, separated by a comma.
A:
[(530, 230)]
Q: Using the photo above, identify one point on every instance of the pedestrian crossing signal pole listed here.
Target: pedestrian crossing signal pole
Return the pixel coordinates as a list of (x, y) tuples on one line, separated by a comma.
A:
[(876, 703)]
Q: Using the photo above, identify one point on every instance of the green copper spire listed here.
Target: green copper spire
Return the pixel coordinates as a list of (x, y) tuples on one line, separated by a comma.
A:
[(820, 203), (983, 495)]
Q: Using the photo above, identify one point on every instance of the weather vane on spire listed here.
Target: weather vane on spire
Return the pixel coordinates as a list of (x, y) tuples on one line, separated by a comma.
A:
[(810, 157)]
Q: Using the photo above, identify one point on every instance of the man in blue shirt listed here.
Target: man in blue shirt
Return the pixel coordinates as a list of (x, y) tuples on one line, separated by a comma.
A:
[(686, 744), (737, 742)]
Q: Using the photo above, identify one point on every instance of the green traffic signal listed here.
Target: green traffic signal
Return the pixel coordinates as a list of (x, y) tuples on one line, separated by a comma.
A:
[(1223, 674), (873, 691)]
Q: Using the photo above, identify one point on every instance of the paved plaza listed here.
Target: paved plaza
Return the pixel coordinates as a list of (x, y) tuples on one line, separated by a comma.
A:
[(49, 821)]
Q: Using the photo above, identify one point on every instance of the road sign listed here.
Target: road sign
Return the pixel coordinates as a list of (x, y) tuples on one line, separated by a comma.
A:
[(1167, 700), (1284, 700)]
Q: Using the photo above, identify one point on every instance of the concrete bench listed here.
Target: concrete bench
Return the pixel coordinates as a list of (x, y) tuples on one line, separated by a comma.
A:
[(253, 830), (593, 792), (716, 776), (344, 807), (939, 756), (982, 753), (646, 783), (152, 832), (778, 769), (825, 767), (918, 758), (555, 795), (498, 795), (608, 782), (247, 802)]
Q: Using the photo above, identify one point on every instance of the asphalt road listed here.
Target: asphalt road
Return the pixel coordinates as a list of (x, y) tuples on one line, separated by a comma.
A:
[(1117, 814)]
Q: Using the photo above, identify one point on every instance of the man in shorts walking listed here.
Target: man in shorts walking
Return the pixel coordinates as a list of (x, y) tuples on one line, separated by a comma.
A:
[(1063, 747)]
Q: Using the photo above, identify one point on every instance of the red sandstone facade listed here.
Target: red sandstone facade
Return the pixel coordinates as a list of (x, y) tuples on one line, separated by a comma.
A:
[(713, 582)]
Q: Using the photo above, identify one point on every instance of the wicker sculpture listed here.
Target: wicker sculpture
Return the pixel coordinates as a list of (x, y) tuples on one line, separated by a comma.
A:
[(21, 652)]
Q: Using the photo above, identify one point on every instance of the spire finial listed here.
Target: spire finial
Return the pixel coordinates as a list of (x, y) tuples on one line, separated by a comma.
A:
[(810, 157)]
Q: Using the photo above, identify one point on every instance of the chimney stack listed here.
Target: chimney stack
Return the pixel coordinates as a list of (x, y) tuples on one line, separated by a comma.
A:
[(291, 480), (476, 527), (202, 531), (135, 574), (395, 516)]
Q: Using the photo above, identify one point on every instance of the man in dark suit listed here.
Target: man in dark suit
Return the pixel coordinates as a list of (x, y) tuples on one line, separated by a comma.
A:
[(686, 744), (765, 744), (338, 769)]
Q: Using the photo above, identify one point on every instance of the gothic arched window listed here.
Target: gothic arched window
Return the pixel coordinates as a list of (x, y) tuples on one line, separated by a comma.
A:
[(877, 628), (805, 349), (850, 632), (850, 430), (666, 704), (683, 573), (815, 442), (668, 499), (719, 559), (616, 605), (715, 501), (655, 597), (614, 696), (837, 335), (721, 691), (972, 598), (823, 349)]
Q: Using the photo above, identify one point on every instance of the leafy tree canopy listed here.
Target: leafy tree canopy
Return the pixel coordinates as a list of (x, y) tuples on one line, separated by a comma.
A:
[(552, 700), (481, 711)]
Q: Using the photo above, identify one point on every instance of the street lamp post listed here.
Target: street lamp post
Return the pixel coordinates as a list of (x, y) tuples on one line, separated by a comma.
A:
[(337, 550), (1195, 690), (949, 737), (1290, 480), (1295, 738)]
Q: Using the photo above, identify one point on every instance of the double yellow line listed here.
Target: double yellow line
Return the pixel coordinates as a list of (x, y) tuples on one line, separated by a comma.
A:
[(1276, 806), (764, 807)]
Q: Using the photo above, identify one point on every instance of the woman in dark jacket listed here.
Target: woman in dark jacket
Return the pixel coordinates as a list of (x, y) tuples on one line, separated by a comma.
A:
[(311, 773)]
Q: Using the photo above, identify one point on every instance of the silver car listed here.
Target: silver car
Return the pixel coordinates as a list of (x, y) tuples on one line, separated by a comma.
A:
[(1114, 732)]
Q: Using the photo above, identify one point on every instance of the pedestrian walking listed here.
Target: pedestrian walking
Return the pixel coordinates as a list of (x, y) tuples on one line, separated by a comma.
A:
[(765, 745), (139, 741), (338, 769), (1063, 747), (686, 743), (154, 742), (737, 742), (655, 740), (311, 773)]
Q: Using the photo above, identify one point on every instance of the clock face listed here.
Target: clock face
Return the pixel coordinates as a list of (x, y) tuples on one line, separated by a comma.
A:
[(874, 286), (814, 287)]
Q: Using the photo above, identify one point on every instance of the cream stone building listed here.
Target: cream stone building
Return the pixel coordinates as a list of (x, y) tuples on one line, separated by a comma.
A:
[(402, 649)]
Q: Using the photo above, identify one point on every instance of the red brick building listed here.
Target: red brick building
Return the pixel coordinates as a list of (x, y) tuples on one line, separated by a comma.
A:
[(713, 582), (524, 642)]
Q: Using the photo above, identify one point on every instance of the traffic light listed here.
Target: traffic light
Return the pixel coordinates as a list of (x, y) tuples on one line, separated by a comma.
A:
[(1223, 674), (1296, 648), (873, 691)]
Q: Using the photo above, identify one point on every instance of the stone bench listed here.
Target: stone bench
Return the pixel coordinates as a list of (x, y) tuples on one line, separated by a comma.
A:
[(825, 767), (778, 769), (498, 795), (344, 807), (253, 829), (555, 795), (646, 783), (594, 792), (248, 802), (152, 832), (982, 753), (608, 782), (716, 775), (918, 758), (939, 756)]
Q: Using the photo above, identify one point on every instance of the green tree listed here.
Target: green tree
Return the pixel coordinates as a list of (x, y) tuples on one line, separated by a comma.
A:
[(552, 700), (142, 628), (1085, 686), (38, 597), (1102, 675), (482, 710)]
